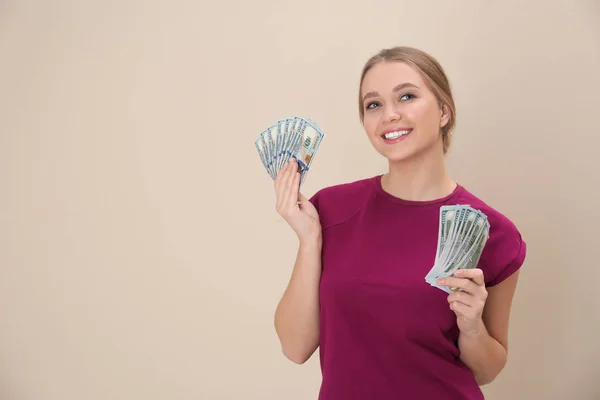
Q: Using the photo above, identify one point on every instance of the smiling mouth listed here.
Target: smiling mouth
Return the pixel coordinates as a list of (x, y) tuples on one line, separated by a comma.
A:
[(396, 134)]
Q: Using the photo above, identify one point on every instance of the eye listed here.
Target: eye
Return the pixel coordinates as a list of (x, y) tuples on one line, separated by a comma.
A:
[(407, 96), (370, 105)]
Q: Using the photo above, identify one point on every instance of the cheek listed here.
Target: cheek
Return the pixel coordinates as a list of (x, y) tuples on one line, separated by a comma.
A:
[(370, 125), (416, 112), (424, 116)]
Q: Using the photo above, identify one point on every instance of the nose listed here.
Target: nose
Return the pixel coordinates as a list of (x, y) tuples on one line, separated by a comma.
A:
[(391, 114)]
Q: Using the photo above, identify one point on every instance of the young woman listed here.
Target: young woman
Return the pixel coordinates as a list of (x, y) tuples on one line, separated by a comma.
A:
[(358, 290)]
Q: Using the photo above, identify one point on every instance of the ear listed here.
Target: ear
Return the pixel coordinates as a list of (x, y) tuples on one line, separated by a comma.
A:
[(444, 115)]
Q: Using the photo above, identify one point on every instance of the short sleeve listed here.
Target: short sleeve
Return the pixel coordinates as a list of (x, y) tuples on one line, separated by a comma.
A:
[(503, 254), (315, 200), (336, 204)]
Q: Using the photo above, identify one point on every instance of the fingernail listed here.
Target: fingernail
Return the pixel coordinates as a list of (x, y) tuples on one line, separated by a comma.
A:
[(441, 281)]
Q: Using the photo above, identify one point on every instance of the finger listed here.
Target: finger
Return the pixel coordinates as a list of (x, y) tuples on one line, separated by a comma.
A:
[(280, 186), (278, 181), (289, 171), (301, 197), (292, 168), (280, 173), (302, 200), (462, 297), (474, 274), (292, 193), (458, 283), (288, 180), (460, 308)]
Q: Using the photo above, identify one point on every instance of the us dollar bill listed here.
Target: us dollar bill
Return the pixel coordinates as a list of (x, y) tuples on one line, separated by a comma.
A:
[(462, 234)]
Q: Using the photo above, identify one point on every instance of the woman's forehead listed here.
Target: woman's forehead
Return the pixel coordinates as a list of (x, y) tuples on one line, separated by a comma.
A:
[(385, 76)]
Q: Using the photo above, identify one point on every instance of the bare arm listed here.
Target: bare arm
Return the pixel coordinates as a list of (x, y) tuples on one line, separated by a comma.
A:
[(485, 351), (297, 315)]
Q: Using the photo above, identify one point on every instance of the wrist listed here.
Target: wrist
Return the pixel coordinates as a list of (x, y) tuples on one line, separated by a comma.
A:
[(312, 241), (478, 332)]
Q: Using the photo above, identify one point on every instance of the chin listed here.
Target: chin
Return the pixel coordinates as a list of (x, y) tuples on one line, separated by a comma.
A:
[(394, 159), (399, 153)]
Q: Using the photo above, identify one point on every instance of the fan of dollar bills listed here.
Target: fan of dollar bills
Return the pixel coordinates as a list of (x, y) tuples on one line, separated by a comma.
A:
[(462, 234), (295, 137)]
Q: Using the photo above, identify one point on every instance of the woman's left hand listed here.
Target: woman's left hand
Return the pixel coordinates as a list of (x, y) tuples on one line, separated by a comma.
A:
[(468, 303)]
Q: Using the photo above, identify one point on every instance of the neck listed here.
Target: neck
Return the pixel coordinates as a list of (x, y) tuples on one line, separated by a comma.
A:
[(420, 178)]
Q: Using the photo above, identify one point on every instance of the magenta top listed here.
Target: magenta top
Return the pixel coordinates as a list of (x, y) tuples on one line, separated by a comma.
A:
[(385, 333)]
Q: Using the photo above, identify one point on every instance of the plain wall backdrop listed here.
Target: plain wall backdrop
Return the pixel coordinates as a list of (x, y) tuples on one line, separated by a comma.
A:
[(141, 256)]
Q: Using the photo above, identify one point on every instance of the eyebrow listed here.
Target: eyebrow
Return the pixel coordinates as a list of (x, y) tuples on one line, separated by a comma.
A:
[(396, 89)]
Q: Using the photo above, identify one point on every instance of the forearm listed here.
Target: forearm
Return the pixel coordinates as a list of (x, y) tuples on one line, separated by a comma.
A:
[(483, 354), (297, 314)]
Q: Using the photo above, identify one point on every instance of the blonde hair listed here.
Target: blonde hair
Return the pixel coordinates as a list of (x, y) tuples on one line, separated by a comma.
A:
[(431, 71)]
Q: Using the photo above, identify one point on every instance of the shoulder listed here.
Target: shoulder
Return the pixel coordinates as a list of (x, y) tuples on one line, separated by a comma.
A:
[(338, 203), (505, 250)]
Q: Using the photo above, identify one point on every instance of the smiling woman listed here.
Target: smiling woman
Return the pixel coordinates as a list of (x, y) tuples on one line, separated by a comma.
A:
[(358, 291)]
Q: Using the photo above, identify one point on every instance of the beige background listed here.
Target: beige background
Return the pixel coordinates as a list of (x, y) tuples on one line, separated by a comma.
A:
[(141, 256)]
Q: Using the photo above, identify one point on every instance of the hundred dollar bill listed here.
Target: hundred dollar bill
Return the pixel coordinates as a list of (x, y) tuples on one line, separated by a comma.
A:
[(467, 231), (472, 256), (446, 217), (266, 145), (293, 138), (462, 224), (272, 138), (311, 141), (261, 152), (445, 223), (282, 132)]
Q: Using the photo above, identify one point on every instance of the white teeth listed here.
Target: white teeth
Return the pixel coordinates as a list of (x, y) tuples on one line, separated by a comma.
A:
[(397, 134)]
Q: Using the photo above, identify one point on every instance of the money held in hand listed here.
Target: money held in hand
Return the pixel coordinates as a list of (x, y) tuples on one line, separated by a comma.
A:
[(463, 232), (294, 137)]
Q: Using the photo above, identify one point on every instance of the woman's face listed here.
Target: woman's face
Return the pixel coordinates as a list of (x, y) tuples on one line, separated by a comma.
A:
[(402, 116)]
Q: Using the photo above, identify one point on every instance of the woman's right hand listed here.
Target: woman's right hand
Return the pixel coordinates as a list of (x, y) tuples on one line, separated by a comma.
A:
[(303, 218)]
